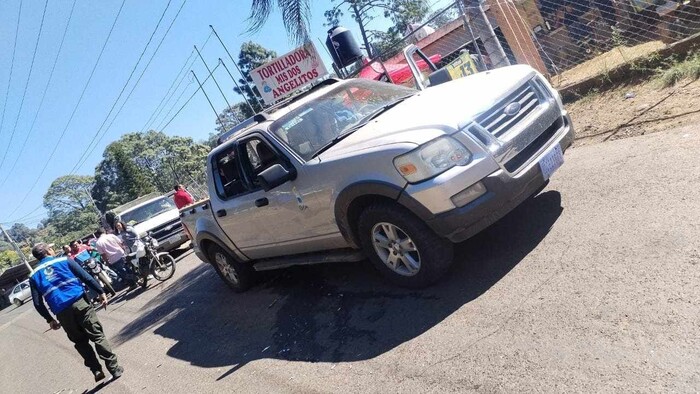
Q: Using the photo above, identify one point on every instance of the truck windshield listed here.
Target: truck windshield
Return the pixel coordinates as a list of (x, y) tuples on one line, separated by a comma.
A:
[(147, 211), (314, 125)]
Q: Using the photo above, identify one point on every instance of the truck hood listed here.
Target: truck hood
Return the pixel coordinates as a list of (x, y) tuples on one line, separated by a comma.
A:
[(165, 217), (436, 111)]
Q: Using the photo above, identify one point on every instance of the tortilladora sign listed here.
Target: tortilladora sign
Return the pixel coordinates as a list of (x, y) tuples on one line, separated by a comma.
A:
[(288, 73)]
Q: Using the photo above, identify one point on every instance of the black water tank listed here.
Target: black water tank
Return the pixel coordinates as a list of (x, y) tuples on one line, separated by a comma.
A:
[(342, 46)]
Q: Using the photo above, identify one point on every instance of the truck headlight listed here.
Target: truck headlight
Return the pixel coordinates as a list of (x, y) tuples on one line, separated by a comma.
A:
[(432, 158)]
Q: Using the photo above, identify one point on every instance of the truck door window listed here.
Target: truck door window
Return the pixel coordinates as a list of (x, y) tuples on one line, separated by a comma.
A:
[(259, 157), (227, 174)]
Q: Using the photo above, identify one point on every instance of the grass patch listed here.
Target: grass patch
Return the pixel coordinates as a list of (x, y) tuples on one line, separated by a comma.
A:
[(676, 72)]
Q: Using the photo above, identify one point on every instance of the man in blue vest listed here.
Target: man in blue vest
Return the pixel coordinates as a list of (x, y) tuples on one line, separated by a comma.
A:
[(58, 282)]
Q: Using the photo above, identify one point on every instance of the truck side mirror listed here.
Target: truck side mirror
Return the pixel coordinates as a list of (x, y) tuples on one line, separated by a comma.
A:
[(274, 176)]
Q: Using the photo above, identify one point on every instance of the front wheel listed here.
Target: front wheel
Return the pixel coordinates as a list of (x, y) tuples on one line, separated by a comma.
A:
[(238, 276), (17, 302), (402, 247), (163, 267)]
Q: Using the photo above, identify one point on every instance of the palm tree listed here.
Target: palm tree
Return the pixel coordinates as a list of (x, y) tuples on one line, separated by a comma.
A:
[(295, 16)]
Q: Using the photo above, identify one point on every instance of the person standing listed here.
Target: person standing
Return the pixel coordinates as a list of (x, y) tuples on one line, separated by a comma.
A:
[(182, 197), (112, 250), (58, 282)]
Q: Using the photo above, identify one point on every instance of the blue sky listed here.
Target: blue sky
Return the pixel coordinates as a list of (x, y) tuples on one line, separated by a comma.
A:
[(87, 31)]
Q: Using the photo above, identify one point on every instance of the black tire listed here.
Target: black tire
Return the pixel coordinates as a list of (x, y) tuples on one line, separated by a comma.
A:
[(432, 253), (238, 276), (167, 267), (105, 284), (17, 302)]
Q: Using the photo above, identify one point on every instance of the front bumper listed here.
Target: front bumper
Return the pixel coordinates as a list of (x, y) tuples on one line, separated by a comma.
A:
[(172, 242), (505, 192)]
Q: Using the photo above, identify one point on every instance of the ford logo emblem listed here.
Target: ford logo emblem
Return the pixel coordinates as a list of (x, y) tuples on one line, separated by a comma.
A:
[(512, 109)]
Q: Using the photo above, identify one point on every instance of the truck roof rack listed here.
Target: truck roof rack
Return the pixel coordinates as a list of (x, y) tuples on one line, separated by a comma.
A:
[(264, 116), (324, 83)]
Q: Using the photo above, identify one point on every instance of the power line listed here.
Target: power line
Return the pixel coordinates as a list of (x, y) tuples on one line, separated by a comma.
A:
[(173, 106), (133, 70), (12, 65), (75, 109), (26, 84), (165, 101), (43, 96), (153, 55), (167, 93), (191, 97)]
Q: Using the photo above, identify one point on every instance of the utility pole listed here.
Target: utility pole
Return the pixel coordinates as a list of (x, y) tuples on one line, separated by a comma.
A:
[(211, 74), (103, 219), (207, 96), (19, 252), (252, 92), (236, 83)]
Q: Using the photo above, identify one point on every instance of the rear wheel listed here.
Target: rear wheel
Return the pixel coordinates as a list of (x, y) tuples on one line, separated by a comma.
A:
[(238, 276), (17, 302), (163, 267), (402, 247)]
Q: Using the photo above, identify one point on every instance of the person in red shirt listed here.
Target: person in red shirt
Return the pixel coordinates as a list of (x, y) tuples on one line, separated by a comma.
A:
[(182, 197)]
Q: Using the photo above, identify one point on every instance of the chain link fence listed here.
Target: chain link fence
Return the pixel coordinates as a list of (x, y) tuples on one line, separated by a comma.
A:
[(568, 40)]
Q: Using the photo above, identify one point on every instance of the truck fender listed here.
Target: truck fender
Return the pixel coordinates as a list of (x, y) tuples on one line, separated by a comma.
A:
[(206, 236), (356, 195)]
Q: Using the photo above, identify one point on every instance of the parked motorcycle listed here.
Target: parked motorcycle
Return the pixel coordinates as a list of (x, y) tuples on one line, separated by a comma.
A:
[(97, 271), (94, 267), (146, 260)]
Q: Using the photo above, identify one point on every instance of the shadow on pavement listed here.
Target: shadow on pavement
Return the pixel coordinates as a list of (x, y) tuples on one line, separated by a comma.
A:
[(332, 313)]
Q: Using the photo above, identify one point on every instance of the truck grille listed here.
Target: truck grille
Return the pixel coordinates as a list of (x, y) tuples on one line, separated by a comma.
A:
[(498, 122), (166, 230)]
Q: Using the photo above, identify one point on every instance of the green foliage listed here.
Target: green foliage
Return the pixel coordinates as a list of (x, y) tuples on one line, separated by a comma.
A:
[(678, 71), (141, 163), (21, 233), (295, 16), (8, 258), (251, 56), (68, 193), (70, 211)]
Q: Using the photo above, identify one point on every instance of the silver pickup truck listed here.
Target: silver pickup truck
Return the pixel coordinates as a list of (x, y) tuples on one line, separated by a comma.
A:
[(361, 169)]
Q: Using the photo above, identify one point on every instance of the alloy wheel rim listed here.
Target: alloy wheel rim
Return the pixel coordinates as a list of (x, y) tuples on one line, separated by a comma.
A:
[(226, 268), (396, 249)]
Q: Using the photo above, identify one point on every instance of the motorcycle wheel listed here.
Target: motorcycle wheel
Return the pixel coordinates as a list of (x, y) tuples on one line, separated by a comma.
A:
[(105, 283), (163, 267)]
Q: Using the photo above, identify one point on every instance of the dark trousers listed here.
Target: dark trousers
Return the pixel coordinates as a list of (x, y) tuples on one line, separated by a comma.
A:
[(120, 268), (80, 323)]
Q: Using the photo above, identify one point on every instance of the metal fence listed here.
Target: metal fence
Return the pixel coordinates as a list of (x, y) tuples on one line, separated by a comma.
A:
[(569, 40)]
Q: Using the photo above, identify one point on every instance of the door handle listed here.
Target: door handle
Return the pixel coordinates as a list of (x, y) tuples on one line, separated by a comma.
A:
[(261, 202), (221, 213)]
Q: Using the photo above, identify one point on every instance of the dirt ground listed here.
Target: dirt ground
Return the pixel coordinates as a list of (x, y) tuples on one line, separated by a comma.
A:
[(635, 110), (605, 62)]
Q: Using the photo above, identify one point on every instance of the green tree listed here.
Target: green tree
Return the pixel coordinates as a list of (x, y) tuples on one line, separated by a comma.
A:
[(8, 258), (21, 233), (251, 56), (140, 163), (70, 212), (119, 179)]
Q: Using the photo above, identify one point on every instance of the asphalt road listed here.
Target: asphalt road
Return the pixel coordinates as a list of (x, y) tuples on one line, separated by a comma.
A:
[(591, 286)]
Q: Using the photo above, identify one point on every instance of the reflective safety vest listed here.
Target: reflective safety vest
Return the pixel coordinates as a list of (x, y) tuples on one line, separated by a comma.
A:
[(56, 283)]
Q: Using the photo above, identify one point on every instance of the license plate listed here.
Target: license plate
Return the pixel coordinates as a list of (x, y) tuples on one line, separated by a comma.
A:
[(551, 161), (172, 239)]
